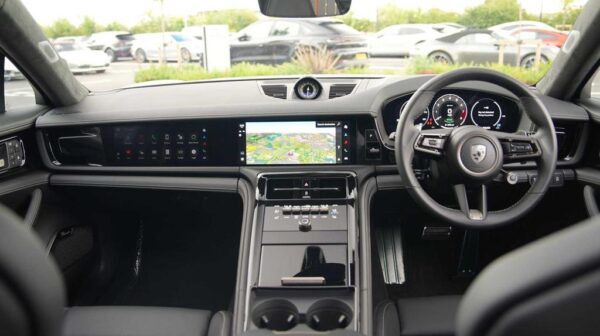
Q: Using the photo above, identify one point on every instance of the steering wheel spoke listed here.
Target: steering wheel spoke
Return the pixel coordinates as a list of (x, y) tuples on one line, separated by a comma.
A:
[(519, 147), (432, 142), (477, 213)]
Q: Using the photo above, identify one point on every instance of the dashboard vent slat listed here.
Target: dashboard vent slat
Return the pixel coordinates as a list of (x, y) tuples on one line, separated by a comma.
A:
[(275, 91), (340, 90)]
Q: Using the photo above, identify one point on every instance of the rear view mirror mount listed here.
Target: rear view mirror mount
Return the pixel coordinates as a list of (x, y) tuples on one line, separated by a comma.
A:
[(304, 8)]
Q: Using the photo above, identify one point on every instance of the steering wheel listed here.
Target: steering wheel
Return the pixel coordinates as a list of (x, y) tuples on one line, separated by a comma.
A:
[(471, 156)]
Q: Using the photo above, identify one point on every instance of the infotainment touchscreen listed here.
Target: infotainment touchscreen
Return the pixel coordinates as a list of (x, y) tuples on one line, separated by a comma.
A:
[(296, 142)]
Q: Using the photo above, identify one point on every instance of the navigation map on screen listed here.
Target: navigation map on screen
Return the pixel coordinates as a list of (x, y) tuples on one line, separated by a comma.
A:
[(296, 142)]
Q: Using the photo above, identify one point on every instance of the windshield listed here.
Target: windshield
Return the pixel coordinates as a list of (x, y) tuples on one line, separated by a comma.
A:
[(376, 37)]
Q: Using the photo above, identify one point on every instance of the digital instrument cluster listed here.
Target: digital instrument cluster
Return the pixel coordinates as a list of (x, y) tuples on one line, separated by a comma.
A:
[(454, 108)]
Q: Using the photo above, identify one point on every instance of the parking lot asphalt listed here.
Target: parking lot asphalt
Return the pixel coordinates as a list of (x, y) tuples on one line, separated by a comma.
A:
[(121, 73)]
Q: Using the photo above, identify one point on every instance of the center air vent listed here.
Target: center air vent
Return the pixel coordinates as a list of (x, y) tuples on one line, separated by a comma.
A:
[(275, 91), (306, 188), (340, 90)]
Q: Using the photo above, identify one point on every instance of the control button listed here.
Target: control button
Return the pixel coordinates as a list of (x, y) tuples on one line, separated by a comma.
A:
[(558, 179), (304, 224), (305, 209), (371, 136), (314, 209), (436, 143), (306, 183), (512, 178), (373, 151), (287, 210), (305, 193), (296, 210), (324, 209)]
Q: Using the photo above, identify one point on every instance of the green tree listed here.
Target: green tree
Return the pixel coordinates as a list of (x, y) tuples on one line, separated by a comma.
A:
[(116, 26), (491, 12), (60, 27), (360, 24), (89, 26), (236, 19), (152, 24), (390, 14)]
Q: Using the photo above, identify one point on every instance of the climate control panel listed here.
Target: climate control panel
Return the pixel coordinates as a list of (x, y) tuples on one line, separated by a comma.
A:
[(306, 217)]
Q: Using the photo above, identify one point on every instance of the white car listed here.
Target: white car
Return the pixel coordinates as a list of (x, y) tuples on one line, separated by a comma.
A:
[(398, 40), (81, 59), (510, 26), (11, 72), (177, 47)]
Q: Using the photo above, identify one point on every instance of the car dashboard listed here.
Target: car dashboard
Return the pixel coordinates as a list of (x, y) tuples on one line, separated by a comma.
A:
[(279, 122)]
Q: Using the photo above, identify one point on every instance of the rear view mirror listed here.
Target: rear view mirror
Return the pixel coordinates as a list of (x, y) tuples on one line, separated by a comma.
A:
[(304, 8)]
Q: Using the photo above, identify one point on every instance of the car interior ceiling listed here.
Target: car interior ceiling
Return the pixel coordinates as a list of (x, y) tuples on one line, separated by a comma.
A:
[(133, 213)]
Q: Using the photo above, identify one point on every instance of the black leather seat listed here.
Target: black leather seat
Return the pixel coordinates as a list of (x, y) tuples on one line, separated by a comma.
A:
[(428, 316), (32, 299), (549, 287), (135, 321)]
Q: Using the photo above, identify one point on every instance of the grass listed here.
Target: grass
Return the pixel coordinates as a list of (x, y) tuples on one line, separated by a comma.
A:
[(415, 67), (529, 76)]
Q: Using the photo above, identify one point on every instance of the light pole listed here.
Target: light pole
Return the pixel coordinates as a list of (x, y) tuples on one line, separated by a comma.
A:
[(161, 57)]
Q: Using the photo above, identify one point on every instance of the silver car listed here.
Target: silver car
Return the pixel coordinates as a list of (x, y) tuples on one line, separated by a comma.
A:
[(398, 40), (176, 47), (480, 46)]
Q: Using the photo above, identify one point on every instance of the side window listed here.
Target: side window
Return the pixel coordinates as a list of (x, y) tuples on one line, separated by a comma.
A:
[(283, 28), (257, 31), (527, 35), (595, 85), (410, 31), (465, 39), (483, 39), (17, 90)]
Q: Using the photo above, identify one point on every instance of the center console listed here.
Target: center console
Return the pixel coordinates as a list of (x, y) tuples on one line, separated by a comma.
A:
[(303, 273)]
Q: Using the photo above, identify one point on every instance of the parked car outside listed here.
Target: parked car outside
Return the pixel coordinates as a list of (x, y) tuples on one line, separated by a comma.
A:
[(277, 41), (177, 47), (11, 72), (480, 46), (115, 44), (509, 26), (448, 27), (72, 39), (551, 37), (398, 40), (82, 59)]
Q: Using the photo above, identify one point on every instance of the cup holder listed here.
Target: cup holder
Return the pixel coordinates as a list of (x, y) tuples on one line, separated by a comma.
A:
[(328, 314), (276, 315)]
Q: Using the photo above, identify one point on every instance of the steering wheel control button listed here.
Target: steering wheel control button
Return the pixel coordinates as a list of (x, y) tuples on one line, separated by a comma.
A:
[(436, 143), (512, 178)]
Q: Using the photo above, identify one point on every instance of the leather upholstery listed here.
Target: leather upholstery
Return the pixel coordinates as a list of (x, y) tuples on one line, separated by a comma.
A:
[(29, 277), (428, 316), (549, 287), (135, 321)]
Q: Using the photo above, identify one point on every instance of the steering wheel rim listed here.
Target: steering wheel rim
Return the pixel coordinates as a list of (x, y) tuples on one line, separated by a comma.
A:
[(408, 135)]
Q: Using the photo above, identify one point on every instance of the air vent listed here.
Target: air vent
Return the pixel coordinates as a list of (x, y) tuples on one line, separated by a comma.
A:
[(275, 91), (340, 90), (306, 188), (567, 136)]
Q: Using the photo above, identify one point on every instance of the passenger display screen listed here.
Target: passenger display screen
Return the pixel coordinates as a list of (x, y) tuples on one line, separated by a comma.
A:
[(296, 142)]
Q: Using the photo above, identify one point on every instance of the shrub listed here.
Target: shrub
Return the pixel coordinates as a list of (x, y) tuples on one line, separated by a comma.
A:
[(317, 60), (421, 66), (195, 72)]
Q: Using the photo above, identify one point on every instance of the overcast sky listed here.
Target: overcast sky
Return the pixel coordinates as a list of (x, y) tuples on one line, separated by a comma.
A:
[(131, 11)]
